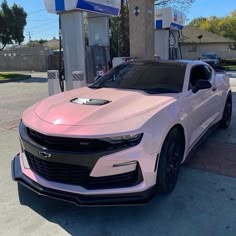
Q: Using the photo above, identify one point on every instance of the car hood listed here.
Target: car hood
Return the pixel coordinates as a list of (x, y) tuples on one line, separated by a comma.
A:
[(109, 106)]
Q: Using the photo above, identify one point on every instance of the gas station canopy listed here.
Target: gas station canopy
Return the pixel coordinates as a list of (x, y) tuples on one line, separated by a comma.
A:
[(106, 7), (169, 18)]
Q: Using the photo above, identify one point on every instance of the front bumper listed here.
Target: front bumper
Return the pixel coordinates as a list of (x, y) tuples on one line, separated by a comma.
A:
[(80, 199)]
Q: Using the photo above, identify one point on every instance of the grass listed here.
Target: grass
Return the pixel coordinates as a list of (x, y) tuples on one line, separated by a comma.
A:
[(230, 68), (9, 76)]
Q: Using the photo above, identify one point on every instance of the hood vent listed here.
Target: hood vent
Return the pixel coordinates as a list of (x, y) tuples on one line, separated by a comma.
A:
[(92, 102)]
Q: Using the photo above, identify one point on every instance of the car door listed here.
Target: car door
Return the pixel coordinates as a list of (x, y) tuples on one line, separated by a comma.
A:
[(203, 104)]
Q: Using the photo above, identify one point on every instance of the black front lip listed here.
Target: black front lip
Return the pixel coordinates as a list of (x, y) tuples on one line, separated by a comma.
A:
[(79, 199)]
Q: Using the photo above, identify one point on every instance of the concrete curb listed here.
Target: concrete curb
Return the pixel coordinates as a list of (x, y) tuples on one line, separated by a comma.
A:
[(231, 74), (15, 79)]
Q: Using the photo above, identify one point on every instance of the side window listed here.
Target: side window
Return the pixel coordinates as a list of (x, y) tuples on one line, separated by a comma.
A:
[(208, 73), (200, 72)]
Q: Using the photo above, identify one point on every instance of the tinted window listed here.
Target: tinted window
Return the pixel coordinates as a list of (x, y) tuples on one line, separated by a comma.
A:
[(208, 73), (149, 77), (200, 72)]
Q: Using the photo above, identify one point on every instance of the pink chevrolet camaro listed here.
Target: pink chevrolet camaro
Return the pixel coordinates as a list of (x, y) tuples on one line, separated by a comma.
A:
[(122, 139)]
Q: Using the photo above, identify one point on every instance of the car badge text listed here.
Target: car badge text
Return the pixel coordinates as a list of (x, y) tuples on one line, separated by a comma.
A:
[(45, 155)]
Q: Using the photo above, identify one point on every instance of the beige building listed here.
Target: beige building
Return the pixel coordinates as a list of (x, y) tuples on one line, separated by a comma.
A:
[(53, 43), (195, 41)]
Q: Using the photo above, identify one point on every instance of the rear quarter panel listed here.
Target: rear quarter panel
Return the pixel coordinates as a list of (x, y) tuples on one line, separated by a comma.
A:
[(223, 87)]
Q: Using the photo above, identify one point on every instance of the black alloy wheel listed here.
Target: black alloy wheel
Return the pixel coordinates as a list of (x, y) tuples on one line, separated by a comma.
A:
[(227, 115), (170, 160)]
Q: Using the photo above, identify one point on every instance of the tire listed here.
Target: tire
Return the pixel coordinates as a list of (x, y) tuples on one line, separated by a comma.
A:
[(227, 114), (171, 155)]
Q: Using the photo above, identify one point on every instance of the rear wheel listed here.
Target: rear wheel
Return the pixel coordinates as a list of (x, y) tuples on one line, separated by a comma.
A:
[(170, 160), (226, 119)]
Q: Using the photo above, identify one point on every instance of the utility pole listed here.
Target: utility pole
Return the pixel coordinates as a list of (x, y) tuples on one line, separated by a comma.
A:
[(29, 35)]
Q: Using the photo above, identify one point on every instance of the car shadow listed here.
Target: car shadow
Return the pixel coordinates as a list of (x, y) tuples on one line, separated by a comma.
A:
[(189, 208), (102, 220)]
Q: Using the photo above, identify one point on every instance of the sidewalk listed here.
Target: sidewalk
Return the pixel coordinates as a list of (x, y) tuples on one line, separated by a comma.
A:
[(231, 74)]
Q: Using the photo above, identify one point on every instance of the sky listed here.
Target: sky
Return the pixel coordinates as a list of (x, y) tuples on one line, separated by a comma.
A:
[(41, 24)]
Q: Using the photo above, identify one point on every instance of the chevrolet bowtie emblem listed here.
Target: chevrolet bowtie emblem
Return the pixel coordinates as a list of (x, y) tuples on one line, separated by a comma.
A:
[(45, 155)]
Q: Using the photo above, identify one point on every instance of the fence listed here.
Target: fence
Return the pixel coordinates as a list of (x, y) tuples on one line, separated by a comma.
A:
[(24, 59)]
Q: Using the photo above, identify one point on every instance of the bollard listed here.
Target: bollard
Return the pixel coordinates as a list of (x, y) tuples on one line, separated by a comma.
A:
[(53, 82), (78, 79)]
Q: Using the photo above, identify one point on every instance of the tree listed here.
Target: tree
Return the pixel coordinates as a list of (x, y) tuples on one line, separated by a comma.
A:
[(37, 42), (42, 41), (182, 5), (120, 32), (120, 25), (197, 22), (224, 26), (12, 23)]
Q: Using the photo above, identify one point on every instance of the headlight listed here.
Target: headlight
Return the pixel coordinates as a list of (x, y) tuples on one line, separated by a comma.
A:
[(129, 137), (21, 129), (125, 140)]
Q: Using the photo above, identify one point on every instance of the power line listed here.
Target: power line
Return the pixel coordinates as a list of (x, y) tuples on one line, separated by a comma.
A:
[(30, 13), (42, 20), (41, 32), (41, 26)]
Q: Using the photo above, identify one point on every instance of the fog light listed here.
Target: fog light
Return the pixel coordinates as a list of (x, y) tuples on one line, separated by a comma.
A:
[(126, 164)]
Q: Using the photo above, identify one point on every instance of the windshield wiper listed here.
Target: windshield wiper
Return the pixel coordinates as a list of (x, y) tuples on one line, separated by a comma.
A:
[(156, 90), (95, 86), (160, 90)]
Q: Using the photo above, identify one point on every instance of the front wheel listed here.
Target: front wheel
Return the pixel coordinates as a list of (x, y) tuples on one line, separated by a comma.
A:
[(170, 160), (226, 119)]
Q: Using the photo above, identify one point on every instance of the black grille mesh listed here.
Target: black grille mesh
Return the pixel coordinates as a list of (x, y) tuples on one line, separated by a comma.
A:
[(79, 175)]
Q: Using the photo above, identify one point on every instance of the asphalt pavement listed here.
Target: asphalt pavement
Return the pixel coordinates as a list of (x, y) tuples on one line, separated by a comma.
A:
[(203, 203)]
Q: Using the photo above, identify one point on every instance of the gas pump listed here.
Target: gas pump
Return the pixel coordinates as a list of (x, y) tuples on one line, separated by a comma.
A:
[(72, 30), (96, 62), (168, 24), (98, 49)]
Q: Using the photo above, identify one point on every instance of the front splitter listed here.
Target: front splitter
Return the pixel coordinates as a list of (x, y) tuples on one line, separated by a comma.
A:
[(79, 199)]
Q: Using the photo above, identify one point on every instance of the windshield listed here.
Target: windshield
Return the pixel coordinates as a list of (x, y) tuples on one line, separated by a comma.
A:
[(148, 77)]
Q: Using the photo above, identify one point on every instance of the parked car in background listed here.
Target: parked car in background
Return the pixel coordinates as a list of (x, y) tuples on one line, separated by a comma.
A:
[(211, 59)]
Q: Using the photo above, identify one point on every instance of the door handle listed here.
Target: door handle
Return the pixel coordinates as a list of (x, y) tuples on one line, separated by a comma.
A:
[(214, 89)]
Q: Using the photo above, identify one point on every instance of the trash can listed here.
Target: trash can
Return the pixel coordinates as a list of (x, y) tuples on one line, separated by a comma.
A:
[(53, 82), (78, 79)]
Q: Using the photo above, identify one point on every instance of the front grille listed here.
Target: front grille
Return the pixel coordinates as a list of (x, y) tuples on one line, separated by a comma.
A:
[(58, 172), (79, 175), (69, 144)]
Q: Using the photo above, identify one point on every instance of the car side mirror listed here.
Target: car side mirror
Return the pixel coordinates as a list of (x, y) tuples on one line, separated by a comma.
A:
[(201, 84)]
